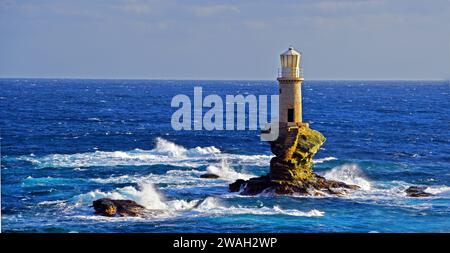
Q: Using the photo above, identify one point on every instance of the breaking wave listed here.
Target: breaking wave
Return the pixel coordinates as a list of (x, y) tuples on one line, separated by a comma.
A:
[(165, 152), (439, 189), (391, 193), (212, 205), (225, 171), (349, 174), (182, 178), (197, 161), (147, 196)]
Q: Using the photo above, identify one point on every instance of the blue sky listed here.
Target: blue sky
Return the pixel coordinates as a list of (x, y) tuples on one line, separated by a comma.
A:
[(182, 39)]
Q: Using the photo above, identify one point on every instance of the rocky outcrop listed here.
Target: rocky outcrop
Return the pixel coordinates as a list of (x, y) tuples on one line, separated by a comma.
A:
[(209, 176), (417, 191), (291, 170), (316, 185), (113, 207)]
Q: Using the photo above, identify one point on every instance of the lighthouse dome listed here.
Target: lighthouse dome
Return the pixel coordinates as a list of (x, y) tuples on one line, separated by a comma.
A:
[(290, 51), (290, 62)]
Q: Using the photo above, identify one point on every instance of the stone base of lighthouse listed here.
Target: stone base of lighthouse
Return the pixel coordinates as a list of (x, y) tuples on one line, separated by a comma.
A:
[(291, 170)]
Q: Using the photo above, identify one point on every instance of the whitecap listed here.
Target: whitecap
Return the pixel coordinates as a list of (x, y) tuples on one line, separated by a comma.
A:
[(349, 174), (145, 195), (438, 189), (225, 171), (326, 159), (165, 152), (174, 178), (212, 205), (157, 207)]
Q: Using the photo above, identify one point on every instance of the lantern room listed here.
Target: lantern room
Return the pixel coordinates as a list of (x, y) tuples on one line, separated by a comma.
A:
[(290, 62)]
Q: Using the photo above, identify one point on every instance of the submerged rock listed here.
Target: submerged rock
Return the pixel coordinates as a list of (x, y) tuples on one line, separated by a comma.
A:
[(113, 207), (417, 191), (291, 170), (209, 175)]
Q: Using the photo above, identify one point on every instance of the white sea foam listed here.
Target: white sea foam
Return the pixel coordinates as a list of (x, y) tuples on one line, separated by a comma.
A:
[(215, 161), (349, 174), (147, 196), (225, 171), (439, 189), (326, 159), (390, 193), (212, 205), (370, 190), (165, 152), (182, 178), (52, 202), (170, 177)]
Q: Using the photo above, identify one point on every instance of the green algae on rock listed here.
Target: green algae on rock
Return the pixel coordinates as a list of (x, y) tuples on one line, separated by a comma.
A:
[(291, 170), (294, 150)]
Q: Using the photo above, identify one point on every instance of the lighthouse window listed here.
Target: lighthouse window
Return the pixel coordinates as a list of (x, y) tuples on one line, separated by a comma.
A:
[(280, 90), (290, 115)]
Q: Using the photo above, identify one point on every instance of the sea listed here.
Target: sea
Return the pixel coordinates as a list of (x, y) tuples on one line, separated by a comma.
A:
[(67, 142)]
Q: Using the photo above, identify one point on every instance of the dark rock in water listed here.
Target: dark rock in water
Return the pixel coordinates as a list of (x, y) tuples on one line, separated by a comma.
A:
[(237, 185), (313, 186), (112, 207), (417, 191), (209, 175), (256, 185), (105, 207), (291, 168)]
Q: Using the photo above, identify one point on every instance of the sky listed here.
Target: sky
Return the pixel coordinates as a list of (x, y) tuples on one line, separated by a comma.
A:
[(241, 39)]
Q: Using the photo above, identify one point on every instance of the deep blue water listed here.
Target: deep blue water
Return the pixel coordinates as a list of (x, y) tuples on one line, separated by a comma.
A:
[(65, 143)]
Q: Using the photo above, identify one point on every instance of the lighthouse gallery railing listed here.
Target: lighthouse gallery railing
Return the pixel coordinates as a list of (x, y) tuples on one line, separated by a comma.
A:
[(290, 72)]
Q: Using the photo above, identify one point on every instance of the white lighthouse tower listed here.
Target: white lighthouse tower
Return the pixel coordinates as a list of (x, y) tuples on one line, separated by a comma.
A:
[(290, 78)]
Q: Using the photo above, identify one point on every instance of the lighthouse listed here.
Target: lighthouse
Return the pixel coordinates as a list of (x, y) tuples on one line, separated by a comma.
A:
[(292, 142), (290, 78)]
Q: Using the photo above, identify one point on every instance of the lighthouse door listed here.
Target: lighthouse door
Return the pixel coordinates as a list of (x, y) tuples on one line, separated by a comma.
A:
[(290, 115)]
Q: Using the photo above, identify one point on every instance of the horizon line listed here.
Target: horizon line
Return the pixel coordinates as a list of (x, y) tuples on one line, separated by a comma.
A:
[(207, 79)]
